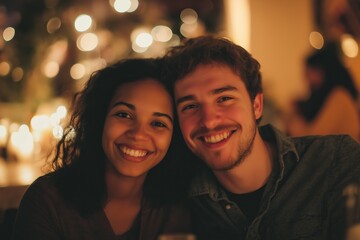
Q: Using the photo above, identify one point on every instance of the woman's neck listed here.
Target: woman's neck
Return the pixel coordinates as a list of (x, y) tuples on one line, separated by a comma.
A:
[(124, 198), (121, 187)]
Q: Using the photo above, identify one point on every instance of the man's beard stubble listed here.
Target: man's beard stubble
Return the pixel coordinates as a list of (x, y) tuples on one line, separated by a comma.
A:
[(243, 150), (242, 153)]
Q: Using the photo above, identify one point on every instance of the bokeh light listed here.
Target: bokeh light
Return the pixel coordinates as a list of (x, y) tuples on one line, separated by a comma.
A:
[(87, 42), (8, 33), (51, 69), (77, 71), (134, 5), (144, 40), (4, 68), (83, 23), (122, 6), (61, 111), (161, 33), (349, 46), (17, 74), (316, 40), (53, 25), (189, 16)]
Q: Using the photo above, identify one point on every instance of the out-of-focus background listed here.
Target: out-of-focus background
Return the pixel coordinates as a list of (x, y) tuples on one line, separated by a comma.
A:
[(48, 49)]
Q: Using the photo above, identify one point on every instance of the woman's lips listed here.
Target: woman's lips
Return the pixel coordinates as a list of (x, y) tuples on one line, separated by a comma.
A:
[(133, 154)]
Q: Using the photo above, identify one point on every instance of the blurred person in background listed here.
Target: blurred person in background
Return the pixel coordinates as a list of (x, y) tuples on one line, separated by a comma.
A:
[(332, 106), (115, 176)]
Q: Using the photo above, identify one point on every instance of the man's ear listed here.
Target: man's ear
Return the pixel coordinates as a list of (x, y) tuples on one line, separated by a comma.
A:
[(258, 105)]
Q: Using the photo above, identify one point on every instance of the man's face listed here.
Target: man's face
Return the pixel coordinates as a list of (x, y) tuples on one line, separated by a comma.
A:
[(216, 115)]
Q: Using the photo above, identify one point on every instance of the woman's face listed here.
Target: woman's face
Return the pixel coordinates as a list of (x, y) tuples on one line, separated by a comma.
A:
[(138, 128)]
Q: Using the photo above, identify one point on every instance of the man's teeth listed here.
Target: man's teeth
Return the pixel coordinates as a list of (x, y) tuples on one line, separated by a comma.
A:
[(217, 138), (133, 152)]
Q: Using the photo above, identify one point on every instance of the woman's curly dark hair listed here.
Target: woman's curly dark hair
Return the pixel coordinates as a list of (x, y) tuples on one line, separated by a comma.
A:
[(79, 156)]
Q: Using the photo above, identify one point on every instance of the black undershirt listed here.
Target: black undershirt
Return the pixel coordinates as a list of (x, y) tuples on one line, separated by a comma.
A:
[(249, 203)]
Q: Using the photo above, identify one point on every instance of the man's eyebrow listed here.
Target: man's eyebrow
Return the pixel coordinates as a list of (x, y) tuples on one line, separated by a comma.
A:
[(184, 99), (132, 107), (224, 89), (159, 114), (215, 91)]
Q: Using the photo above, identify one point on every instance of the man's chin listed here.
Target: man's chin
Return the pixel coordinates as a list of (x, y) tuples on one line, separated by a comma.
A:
[(221, 165)]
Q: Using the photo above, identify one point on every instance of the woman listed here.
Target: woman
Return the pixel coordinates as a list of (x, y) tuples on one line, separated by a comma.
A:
[(114, 177), (332, 107)]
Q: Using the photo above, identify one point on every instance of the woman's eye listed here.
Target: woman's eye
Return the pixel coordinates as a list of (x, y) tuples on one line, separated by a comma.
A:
[(158, 124), (123, 115)]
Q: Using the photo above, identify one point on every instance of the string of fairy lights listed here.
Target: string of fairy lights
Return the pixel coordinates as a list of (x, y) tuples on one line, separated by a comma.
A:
[(79, 43), (145, 40)]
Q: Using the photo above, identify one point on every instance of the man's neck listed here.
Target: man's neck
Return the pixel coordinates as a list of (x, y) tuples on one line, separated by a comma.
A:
[(252, 173)]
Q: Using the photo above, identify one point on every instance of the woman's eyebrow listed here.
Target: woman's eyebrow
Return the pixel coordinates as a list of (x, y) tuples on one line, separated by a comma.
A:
[(131, 106), (159, 114)]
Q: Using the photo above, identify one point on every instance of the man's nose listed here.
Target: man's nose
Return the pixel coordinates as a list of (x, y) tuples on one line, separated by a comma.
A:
[(209, 117)]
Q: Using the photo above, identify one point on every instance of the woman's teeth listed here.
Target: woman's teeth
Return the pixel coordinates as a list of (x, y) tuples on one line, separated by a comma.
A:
[(133, 152)]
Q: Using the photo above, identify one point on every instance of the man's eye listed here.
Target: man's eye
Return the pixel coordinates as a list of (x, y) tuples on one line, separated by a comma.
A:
[(188, 107), (224, 99), (123, 115)]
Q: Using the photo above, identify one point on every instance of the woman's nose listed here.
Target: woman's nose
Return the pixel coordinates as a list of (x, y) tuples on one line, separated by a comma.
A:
[(138, 131)]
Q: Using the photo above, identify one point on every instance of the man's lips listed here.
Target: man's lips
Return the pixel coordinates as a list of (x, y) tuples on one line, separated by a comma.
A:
[(216, 137)]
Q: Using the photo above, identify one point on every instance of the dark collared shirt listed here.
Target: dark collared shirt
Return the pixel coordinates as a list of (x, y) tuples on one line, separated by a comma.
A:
[(303, 198)]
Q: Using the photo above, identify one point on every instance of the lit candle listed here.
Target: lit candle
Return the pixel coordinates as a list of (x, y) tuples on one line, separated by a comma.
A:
[(3, 142), (23, 143), (3, 135)]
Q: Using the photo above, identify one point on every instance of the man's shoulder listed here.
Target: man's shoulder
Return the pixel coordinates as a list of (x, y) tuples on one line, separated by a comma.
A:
[(326, 142), (339, 152), (308, 147)]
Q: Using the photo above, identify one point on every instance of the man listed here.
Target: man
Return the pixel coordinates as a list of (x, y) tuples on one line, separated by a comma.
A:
[(255, 182)]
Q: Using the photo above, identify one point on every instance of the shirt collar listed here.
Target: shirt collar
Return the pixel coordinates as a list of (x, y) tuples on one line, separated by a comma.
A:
[(284, 144), (205, 183)]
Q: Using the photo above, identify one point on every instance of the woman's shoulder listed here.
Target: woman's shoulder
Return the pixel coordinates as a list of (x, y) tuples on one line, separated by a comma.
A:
[(340, 92), (49, 187), (340, 98), (43, 187), (42, 198)]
